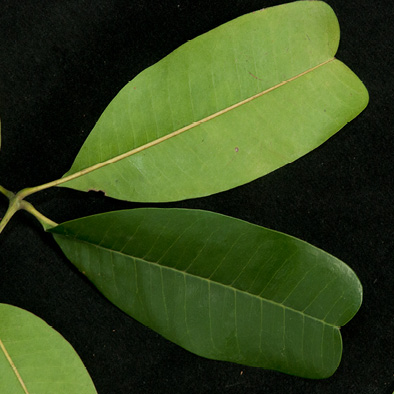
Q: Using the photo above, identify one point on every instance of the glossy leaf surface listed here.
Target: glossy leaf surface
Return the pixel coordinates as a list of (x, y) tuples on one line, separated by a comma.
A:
[(34, 358), (227, 107), (219, 287)]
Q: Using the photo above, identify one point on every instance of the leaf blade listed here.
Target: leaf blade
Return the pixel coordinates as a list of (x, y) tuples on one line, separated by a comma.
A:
[(219, 287), (175, 98), (35, 358)]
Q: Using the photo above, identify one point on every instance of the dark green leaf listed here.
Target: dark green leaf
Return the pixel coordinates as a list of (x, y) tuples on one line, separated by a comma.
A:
[(219, 287)]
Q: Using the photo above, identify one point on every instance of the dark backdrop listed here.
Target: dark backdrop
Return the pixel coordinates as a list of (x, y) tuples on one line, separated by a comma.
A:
[(62, 61)]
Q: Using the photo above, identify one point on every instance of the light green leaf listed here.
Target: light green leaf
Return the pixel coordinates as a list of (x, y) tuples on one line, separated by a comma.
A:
[(224, 109), (35, 359), (219, 287)]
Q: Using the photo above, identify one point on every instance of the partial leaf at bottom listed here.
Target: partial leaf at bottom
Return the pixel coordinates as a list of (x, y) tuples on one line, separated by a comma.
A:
[(219, 287), (35, 359)]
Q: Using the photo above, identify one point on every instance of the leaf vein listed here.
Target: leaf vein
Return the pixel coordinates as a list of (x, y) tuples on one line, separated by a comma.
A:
[(174, 133), (13, 366), (151, 264)]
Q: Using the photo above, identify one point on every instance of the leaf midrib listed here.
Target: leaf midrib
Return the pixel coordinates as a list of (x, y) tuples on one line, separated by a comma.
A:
[(13, 366), (202, 279), (188, 127)]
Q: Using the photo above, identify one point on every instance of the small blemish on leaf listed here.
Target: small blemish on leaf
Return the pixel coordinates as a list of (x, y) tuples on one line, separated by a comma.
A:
[(254, 76), (236, 149), (97, 191)]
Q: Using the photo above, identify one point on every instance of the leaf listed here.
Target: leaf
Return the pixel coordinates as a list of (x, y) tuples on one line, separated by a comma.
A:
[(220, 287), (224, 109), (34, 358)]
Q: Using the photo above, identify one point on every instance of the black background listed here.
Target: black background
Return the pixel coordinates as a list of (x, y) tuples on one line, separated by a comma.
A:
[(61, 62)]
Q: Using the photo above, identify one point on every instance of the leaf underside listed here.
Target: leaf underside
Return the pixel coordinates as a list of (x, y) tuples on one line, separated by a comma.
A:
[(225, 108), (219, 287), (34, 358)]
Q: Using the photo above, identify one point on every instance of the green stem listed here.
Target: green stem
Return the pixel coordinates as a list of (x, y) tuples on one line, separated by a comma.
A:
[(13, 207), (30, 190), (45, 222), (16, 203), (6, 192)]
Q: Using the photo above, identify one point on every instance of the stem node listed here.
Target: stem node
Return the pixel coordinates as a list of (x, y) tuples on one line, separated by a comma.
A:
[(16, 203)]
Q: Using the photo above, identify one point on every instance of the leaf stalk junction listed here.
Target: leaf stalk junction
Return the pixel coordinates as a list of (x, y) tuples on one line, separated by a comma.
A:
[(16, 203)]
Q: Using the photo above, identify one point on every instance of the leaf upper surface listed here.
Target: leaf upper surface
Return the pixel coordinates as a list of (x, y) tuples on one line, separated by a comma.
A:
[(219, 287), (34, 358), (227, 107)]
